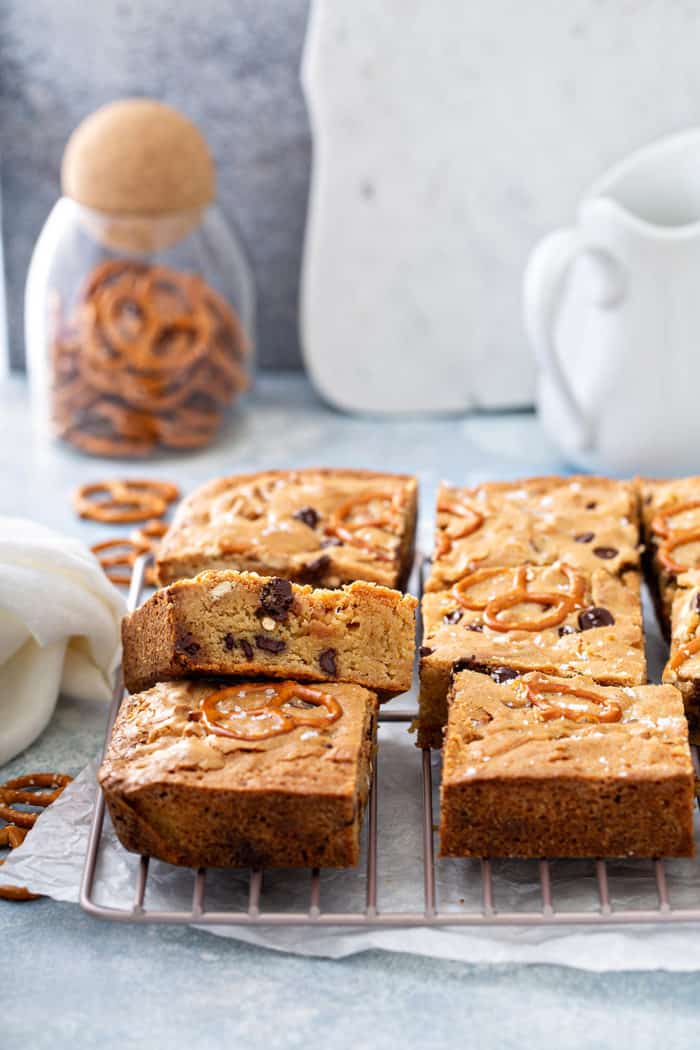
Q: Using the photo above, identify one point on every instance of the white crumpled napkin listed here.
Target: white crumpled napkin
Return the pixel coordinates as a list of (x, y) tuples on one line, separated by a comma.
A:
[(59, 629)]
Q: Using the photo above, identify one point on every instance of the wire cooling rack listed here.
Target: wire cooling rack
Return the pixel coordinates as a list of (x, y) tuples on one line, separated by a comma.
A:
[(478, 905)]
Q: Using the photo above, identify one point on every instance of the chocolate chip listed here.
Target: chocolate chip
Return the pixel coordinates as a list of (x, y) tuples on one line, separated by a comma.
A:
[(503, 674), (314, 570), (425, 650), (592, 505), (187, 644), (596, 616), (270, 645), (194, 716), (696, 603), (566, 629), (308, 515), (499, 674), (229, 641), (606, 552), (276, 598), (474, 627), (247, 649), (327, 663), (584, 537), (453, 617)]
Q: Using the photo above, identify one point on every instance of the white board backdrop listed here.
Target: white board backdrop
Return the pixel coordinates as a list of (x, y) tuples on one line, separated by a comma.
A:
[(448, 137)]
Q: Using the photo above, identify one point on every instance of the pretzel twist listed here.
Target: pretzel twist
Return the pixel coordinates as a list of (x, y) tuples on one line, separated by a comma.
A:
[(348, 530), (684, 652), (144, 340), (120, 553), (14, 833), (603, 710), (132, 499), (561, 602), (472, 521), (276, 706), (673, 538)]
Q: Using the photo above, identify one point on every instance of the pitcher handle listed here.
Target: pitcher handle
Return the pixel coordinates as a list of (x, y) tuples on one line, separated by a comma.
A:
[(546, 276)]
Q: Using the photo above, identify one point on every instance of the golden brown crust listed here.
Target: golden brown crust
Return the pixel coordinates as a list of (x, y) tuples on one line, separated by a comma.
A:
[(519, 782), (284, 523), (225, 623), (184, 795)]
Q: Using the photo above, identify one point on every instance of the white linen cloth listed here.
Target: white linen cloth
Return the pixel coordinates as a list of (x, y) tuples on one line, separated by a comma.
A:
[(59, 629)]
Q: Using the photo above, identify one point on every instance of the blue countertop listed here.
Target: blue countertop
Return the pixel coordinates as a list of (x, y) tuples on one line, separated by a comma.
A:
[(77, 982)]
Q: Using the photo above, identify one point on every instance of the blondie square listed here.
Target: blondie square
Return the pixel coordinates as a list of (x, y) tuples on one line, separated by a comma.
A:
[(246, 775), (541, 766), (590, 523), (529, 618), (683, 667), (671, 518), (227, 623), (324, 527)]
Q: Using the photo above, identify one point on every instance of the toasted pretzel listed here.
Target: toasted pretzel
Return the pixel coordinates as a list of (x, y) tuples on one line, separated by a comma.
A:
[(473, 520), (677, 539), (604, 710), (127, 500), (123, 552), (660, 523), (684, 652), (463, 586), (339, 525), (277, 698), (674, 538), (561, 602), (151, 355), (13, 834)]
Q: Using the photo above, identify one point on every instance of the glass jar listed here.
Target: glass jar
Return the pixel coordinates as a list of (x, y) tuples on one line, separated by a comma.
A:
[(138, 323)]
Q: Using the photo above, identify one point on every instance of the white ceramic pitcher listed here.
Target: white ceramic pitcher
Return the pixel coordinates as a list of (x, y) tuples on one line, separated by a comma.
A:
[(612, 308)]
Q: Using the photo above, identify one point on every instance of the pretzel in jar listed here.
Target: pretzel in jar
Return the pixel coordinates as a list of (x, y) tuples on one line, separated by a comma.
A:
[(149, 356)]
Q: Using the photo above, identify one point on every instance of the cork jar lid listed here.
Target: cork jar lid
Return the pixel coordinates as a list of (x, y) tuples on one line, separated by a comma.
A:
[(139, 157)]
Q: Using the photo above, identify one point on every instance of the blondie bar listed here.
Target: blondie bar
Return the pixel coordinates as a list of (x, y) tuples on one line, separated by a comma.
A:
[(589, 523), (542, 766), (325, 527), (671, 518), (529, 618), (247, 775), (683, 667), (225, 623)]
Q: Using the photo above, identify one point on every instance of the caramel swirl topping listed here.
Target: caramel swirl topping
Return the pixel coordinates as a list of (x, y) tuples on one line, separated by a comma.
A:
[(595, 708), (259, 710), (558, 604)]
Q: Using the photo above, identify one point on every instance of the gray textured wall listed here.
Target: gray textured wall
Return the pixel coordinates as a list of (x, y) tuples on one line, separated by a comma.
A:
[(232, 65)]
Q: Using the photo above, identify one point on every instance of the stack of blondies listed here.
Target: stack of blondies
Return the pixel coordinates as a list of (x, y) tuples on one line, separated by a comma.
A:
[(533, 665), (256, 671)]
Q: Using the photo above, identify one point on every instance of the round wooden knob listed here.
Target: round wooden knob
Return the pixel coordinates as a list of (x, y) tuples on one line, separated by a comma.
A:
[(138, 157)]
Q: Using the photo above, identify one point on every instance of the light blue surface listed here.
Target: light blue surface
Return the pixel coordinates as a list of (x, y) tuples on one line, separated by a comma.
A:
[(82, 983)]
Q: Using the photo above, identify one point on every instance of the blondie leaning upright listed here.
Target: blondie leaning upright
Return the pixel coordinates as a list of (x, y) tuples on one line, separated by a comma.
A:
[(536, 575), (226, 623), (323, 527)]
